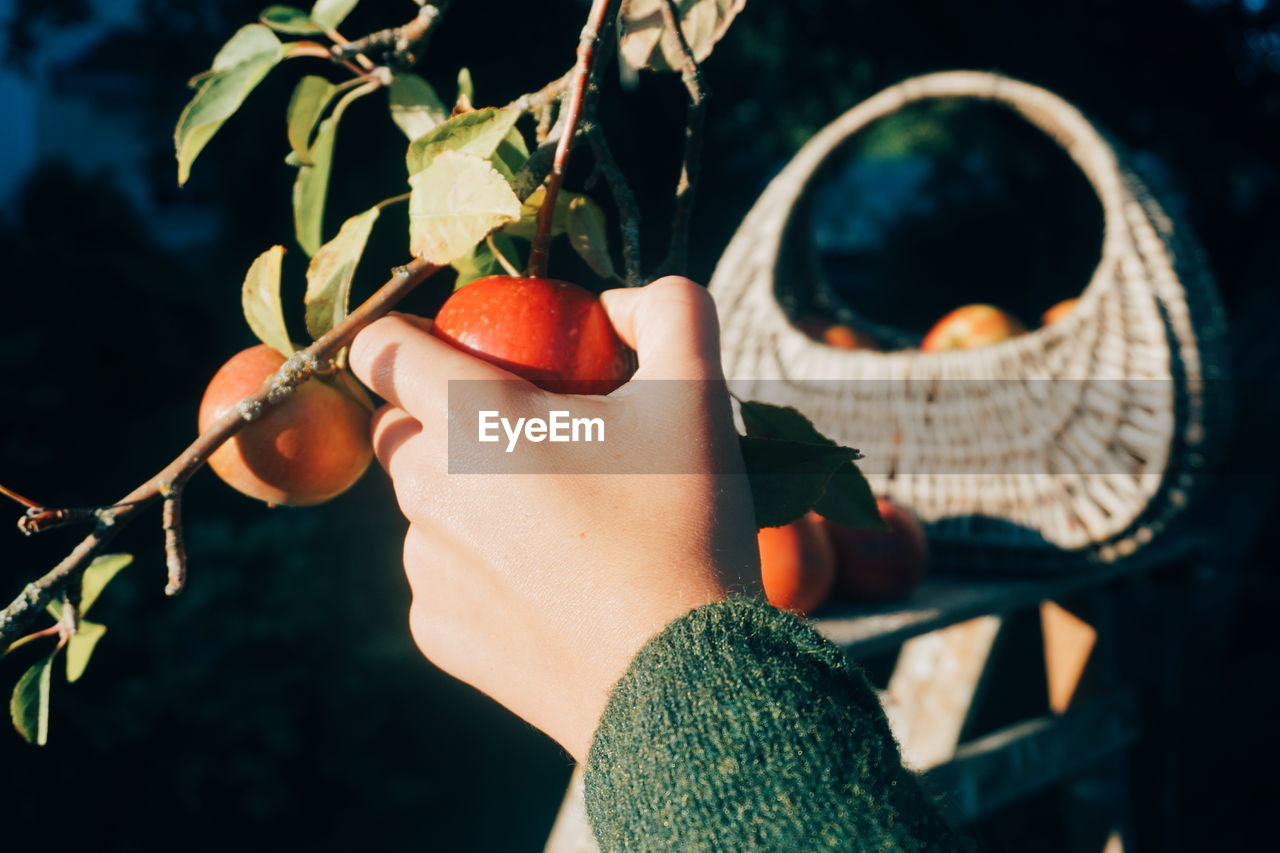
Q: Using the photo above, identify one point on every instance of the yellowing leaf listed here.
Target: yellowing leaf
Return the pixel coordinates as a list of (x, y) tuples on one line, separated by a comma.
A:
[(308, 103), (287, 19), (330, 13), (478, 132), (98, 575), (645, 43), (29, 705), (415, 107), (80, 647), (241, 64), (585, 225), (527, 225), (311, 186), (260, 298), (456, 201), (331, 270)]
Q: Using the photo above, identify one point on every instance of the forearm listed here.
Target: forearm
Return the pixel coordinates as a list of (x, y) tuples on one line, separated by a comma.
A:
[(740, 728)]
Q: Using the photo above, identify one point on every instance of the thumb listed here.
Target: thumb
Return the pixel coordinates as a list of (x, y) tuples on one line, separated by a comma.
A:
[(672, 326)]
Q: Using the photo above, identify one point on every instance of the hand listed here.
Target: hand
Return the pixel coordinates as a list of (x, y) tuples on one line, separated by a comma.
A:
[(538, 589)]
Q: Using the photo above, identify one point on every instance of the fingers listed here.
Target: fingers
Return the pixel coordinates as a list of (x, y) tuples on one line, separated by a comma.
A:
[(410, 368), (391, 428), (672, 326)]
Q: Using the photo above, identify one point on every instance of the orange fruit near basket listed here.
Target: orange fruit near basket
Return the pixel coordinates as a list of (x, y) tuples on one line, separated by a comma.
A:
[(797, 564)]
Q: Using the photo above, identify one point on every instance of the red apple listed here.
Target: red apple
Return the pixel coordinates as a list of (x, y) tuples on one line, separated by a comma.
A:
[(1057, 312), (797, 564), (972, 326), (553, 333), (841, 336), (880, 565), (311, 446)]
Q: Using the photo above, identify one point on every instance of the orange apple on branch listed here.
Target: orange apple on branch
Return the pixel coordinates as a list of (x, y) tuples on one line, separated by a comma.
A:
[(970, 327), (310, 447)]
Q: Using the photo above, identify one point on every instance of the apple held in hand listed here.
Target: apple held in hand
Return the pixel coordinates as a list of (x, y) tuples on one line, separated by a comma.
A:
[(880, 565), (972, 326), (310, 447), (797, 564), (552, 333)]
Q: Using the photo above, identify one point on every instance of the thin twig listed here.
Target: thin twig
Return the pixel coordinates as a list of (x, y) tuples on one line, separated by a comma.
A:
[(544, 97), (175, 551), (507, 267), (624, 200), (597, 18), (396, 44), (296, 370), (677, 258)]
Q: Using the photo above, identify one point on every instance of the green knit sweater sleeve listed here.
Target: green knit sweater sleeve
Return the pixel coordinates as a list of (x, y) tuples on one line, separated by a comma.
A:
[(740, 728)]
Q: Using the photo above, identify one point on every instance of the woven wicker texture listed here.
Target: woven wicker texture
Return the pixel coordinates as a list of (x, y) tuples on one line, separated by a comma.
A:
[(1082, 440)]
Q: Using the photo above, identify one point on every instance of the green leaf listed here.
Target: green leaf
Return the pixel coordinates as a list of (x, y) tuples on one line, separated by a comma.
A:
[(415, 106), (287, 19), (260, 298), (80, 647), (764, 420), (479, 132), (311, 186), (310, 98), (847, 497), (29, 707), (100, 573), (241, 64), (788, 477), (510, 155), (466, 89), (527, 225), (330, 13), (585, 225), (645, 42), (456, 201), (331, 271), (480, 261), (848, 500)]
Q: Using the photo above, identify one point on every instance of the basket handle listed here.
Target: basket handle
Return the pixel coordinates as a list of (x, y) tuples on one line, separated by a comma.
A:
[(1057, 118)]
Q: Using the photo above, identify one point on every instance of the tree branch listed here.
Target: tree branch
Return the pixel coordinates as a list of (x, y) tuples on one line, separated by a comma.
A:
[(597, 23), (297, 369), (396, 44), (677, 258)]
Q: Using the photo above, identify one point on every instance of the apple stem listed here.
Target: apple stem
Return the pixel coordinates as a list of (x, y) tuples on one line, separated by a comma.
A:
[(506, 265), (588, 41), (677, 258)]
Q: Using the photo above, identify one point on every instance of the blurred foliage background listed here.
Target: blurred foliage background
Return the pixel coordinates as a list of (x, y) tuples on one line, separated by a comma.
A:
[(280, 700)]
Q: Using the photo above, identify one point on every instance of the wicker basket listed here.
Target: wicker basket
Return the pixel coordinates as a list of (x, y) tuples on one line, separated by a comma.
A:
[(1078, 442)]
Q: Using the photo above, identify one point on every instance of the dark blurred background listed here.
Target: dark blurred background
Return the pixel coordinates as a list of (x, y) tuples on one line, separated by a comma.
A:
[(279, 701)]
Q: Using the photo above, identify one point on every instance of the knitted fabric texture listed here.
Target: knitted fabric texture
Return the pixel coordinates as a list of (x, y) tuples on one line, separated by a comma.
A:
[(740, 728)]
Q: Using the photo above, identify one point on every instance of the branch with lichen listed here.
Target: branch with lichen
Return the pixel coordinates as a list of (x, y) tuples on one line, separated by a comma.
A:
[(167, 485)]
